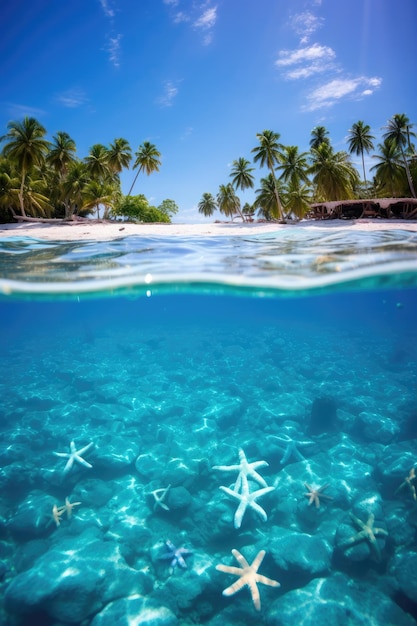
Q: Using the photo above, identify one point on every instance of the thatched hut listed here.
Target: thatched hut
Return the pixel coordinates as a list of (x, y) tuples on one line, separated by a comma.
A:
[(404, 208)]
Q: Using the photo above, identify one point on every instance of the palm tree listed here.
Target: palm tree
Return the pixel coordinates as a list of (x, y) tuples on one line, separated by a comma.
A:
[(36, 201), (207, 205), (73, 187), (119, 155), (319, 135), (268, 153), (266, 200), (399, 131), (27, 147), (9, 187), (298, 199), (97, 163), (248, 211), (242, 177), (57, 162), (147, 160), (334, 176), (228, 202), (61, 153), (97, 193), (360, 141), (241, 173), (294, 166), (389, 171)]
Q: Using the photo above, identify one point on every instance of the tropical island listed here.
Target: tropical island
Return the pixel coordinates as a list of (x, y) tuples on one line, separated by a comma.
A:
[(45, 180)]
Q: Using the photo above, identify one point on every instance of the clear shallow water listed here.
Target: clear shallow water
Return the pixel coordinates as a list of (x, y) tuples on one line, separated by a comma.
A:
[(291, 260), (169, 383)]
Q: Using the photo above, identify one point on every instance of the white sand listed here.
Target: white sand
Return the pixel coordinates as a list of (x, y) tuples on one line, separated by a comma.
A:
[(103, 231)]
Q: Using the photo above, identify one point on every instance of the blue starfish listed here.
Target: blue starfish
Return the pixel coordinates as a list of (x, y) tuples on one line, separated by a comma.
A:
[(175, 555)]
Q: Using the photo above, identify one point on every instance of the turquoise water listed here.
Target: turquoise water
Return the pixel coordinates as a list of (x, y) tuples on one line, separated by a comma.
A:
[(177, 358)]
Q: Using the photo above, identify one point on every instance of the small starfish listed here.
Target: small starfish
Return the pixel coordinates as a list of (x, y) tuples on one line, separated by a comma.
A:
[(247, 499), (68, 506), (204, 427), (159, 499), (315, 493), (248, 576), (367, 533), (409, 482), (291, 450), (245, 469), (175, 555), (57, 512), (75, 455)]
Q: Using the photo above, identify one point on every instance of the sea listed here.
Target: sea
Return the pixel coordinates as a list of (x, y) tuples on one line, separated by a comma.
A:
[(209, 430)]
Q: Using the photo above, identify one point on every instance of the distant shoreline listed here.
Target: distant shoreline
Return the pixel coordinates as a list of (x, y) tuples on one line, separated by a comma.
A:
[(111, 230)]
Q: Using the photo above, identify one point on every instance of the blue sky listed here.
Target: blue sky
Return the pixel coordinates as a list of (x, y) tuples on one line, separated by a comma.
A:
[(199, 79)]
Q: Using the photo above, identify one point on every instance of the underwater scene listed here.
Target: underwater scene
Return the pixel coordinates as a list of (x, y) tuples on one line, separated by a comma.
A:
[(218, 431)]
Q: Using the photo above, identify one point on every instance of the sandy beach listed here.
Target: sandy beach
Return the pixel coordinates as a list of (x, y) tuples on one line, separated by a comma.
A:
[(109, 230)]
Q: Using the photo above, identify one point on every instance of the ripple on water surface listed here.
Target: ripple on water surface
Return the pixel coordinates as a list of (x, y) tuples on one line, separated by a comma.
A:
[(290, 260)]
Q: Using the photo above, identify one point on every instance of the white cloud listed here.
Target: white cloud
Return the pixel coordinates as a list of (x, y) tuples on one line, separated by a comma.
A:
[(108, 11), (169, 95), (113, 41), (207, 19), (206, 22), (305, 24), (307, 61), (181, 17), (305, 72), (207, 39), (72, 98), (201, 16), (177, 15), (335, 90), (302, 55), (113, 48), (375, 82)]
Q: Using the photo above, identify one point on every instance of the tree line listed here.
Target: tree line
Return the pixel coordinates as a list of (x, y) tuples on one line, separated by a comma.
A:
[(298, 179), (42, 178), (46, 179)]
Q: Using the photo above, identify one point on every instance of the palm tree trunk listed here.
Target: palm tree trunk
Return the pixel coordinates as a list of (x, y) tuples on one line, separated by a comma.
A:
[(22, 205), (363, 167), (407, 169), (279, 205), (133, 184), (240, 213), (67, 209)]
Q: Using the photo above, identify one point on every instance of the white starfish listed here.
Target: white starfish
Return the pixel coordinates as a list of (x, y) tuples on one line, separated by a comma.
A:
[(291, 448), (245, 469), (247, 499), (75, 455), (159, 496)]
